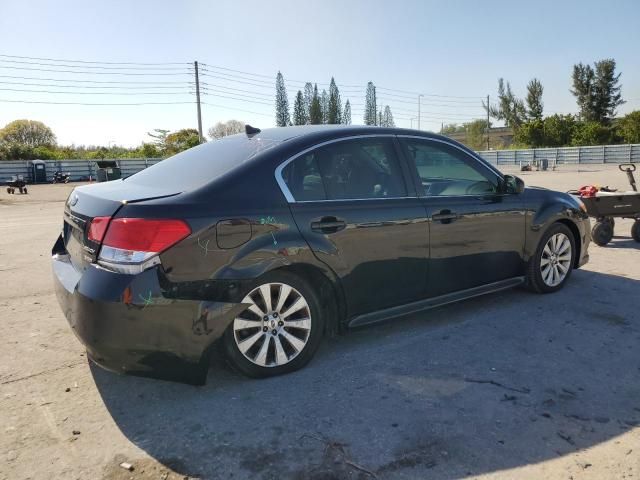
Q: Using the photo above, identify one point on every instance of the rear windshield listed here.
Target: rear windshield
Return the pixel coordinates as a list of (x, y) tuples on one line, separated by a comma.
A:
[(202, 164)]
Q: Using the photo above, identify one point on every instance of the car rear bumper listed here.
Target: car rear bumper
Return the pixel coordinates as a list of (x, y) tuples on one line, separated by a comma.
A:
[(130, 323)]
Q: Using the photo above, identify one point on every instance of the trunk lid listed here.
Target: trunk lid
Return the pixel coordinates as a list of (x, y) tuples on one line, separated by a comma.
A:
[(99, 200)]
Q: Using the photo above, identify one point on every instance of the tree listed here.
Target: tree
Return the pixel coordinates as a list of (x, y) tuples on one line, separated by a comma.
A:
[(608, 96), (370, 107), (597, 91), (334, 113), (159, 136), (299, 110), (324, 104), (315, 111), (558, 130), (534, 99), (629, 127), (531, 134), (181, 140), (346, 116), (308, 97), (510, 108), (222, 129), (387, 118), (149, 150), (591, 133), (450, 128), (27, 133), (282, 103), (475, 134)]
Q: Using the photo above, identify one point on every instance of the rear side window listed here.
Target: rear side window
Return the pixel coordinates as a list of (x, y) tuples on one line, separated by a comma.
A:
[(351, 169), (202, 164)]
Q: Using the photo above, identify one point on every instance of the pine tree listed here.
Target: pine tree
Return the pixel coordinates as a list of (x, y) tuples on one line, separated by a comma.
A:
[(510, 108), (379, 119), (346, 116), (324, 104), (534, 99), (370, 109), (315, 111), (607, 90), (299, 111), (583, 77), (387, 118), (282, 103), (308, 96), (334, 114)]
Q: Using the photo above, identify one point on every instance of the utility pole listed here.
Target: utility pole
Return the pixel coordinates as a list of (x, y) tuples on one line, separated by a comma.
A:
[(195, 65), (487, 122), (419, 110)]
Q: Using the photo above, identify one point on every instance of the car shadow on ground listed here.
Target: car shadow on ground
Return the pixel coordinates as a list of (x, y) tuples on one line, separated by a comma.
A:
[(489, 384)]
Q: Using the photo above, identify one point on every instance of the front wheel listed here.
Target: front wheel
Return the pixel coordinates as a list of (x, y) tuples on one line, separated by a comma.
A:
[(280, 330), (553, 261)]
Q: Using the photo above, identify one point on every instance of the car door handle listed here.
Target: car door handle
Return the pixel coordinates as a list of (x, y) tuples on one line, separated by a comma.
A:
[(444, 216), (328, 225)]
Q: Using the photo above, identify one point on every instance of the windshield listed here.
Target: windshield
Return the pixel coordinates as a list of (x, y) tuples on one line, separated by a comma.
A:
[(200, 165)]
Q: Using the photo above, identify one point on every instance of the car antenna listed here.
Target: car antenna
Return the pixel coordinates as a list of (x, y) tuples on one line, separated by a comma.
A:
[(249, 130)]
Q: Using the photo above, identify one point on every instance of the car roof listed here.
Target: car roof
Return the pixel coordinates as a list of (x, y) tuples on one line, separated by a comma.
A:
[(282, 134)]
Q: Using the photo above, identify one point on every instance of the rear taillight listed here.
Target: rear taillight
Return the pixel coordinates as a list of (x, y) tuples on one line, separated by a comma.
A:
[(97, 228), (131, 245)]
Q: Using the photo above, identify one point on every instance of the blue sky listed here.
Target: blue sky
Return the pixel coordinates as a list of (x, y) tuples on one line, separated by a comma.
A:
[(452, 49)]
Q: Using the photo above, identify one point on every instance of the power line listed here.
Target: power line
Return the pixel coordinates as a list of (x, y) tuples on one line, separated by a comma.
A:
[(101, 104), (93, 73), (4, 82), (123, 82), (92, 93), (102, 67), (94, 62)]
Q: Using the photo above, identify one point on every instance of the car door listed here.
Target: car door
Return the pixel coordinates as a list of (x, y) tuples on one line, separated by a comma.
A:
[(350, 200), (477, 231)]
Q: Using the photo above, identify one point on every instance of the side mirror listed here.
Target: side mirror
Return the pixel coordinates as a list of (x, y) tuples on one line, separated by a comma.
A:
[(513, 184)]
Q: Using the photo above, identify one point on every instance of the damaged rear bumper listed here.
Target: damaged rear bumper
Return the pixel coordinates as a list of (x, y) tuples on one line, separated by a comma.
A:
[(131, 324)]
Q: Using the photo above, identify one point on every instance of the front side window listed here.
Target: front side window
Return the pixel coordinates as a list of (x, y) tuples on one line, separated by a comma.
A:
[(446, 171), (352, 169)]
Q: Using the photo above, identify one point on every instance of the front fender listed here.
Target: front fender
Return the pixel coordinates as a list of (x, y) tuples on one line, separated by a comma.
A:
[(546, 207)]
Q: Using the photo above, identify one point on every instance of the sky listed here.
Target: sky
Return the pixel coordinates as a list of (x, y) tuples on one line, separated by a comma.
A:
[(452, 52)]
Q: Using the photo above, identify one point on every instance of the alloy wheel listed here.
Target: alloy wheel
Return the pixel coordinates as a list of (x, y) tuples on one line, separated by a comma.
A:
[(275, 328), (556, 260)]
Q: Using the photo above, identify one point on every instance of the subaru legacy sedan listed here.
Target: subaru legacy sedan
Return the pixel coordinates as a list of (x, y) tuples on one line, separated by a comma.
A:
[(265, 241)]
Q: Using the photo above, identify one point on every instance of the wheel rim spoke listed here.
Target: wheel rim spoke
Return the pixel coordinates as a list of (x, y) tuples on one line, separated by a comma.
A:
[(297, 305), (261, 357), (295, 342), (255, 309), (243, 324), (563, 268), (247, 343), (265, 292), (303, 323), (285, 290), (281, 356)]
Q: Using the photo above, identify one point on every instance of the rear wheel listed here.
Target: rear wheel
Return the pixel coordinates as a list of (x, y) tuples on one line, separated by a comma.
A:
[(553, 261), (635, 230), (281, 329), (602, 233)]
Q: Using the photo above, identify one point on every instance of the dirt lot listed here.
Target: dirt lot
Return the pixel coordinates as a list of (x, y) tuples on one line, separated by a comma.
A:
[(512, 385)]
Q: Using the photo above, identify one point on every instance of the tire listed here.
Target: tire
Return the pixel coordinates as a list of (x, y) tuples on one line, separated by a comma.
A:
[(611, 221), (25, 190), (293, 328), (602, 233), (9, 191), (551, 266), (635, 230)]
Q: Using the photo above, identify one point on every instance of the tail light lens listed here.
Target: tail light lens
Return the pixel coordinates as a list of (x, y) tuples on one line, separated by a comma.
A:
[(131, 245)]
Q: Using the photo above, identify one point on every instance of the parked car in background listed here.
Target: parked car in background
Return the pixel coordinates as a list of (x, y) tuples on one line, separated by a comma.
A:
[(264, 241)]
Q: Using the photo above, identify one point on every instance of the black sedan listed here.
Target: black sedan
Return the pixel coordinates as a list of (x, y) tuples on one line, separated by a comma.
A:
[(265, 241)]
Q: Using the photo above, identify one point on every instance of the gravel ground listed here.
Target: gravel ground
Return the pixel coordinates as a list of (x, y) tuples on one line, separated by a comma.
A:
[(511, 385)]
